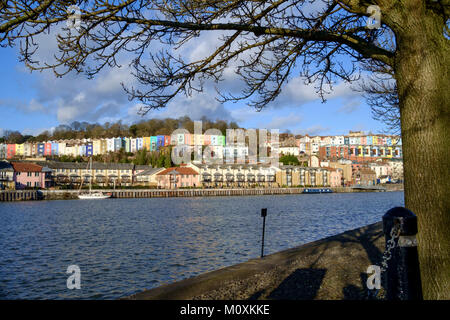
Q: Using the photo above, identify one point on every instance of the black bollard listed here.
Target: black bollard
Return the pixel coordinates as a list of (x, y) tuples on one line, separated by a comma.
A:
[(402, 277), (263, 214)]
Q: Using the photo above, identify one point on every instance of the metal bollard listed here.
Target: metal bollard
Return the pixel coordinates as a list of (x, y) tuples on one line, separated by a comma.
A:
[(263, 215), (402, 277)]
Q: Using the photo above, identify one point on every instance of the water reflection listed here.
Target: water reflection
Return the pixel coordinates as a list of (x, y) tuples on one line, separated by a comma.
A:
[(123, 246)]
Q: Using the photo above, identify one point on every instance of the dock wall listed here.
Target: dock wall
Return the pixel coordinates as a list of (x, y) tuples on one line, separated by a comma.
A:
[(23, 195)]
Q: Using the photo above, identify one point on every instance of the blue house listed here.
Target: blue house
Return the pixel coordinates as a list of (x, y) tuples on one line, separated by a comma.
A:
[(55, 148), (41, 149), (89, 150), (159, 141)]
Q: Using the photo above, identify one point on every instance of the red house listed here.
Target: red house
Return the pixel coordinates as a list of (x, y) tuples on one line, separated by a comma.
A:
[(47, 149), (166, 140), (10, 151)]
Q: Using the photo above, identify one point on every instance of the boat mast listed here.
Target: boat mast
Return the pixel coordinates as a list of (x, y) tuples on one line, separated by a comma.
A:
[(90, 180)]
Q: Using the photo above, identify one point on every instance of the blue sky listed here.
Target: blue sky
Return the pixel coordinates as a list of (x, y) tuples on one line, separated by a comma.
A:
[(34, 102)]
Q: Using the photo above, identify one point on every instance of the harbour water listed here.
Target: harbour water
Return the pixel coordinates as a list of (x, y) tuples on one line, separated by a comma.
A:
[(123, 246)]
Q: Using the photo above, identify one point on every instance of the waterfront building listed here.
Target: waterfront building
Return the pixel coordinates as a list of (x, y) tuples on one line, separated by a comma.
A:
[(236, 175), (103, 174), (6, 176), (396, 169), (365, 176), (178, 177), (295, 176), (147, 177), (335, 177), (30, 175)]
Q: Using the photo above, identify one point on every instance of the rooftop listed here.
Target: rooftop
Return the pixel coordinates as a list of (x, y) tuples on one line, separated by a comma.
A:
[(179, 170), (26, 167)]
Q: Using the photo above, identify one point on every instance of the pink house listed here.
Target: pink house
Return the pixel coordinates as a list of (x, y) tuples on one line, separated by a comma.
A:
[(30, 175), (180, 177), (335, 177)]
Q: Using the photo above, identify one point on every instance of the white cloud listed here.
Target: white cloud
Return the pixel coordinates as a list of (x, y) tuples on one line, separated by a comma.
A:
[(290, 121), (350, 106), (313, 131)]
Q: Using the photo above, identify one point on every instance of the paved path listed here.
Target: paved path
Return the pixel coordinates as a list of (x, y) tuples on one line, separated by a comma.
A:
[(331, 268)]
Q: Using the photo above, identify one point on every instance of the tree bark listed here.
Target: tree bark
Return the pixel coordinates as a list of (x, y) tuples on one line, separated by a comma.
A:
[(422, 73)]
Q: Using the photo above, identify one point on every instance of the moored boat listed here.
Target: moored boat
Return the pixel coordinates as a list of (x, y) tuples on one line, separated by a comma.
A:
[(92, 195)]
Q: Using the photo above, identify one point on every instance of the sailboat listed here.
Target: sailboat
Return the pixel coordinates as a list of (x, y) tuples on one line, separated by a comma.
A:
[(91, 195)]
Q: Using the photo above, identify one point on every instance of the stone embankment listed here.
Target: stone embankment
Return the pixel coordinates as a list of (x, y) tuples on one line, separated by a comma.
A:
[(20, 195), (331, 268)]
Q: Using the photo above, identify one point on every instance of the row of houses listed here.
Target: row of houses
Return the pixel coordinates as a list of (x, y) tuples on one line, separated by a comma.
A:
[(47, 174), (354, 144), (89, 147)]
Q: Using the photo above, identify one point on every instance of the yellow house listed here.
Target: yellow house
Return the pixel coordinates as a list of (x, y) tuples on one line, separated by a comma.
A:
[(19, 149), (146, 143), (360, 151), (96, 146), (389, 152)]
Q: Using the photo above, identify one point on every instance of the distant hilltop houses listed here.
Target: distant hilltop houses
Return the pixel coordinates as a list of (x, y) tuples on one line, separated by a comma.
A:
[(354, 146), (353, 159)]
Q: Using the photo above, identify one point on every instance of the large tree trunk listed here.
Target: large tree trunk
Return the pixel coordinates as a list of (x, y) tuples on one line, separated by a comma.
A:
[(422, 74)]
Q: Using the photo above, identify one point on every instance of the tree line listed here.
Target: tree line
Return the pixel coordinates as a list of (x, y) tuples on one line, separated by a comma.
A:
[(144, 128)]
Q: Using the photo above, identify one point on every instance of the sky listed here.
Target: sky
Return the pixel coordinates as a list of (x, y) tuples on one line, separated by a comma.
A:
[(38, 101)]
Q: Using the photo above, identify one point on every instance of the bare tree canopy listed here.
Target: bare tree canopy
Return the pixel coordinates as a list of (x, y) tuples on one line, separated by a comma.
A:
[(267, 42)]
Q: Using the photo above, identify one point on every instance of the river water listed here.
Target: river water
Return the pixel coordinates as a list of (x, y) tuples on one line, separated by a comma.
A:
[(123, 246)]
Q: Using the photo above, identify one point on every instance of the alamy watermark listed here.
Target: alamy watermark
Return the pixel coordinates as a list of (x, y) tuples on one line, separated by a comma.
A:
[(374, 21), (74, 280), (240, 146), (74, 17)]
